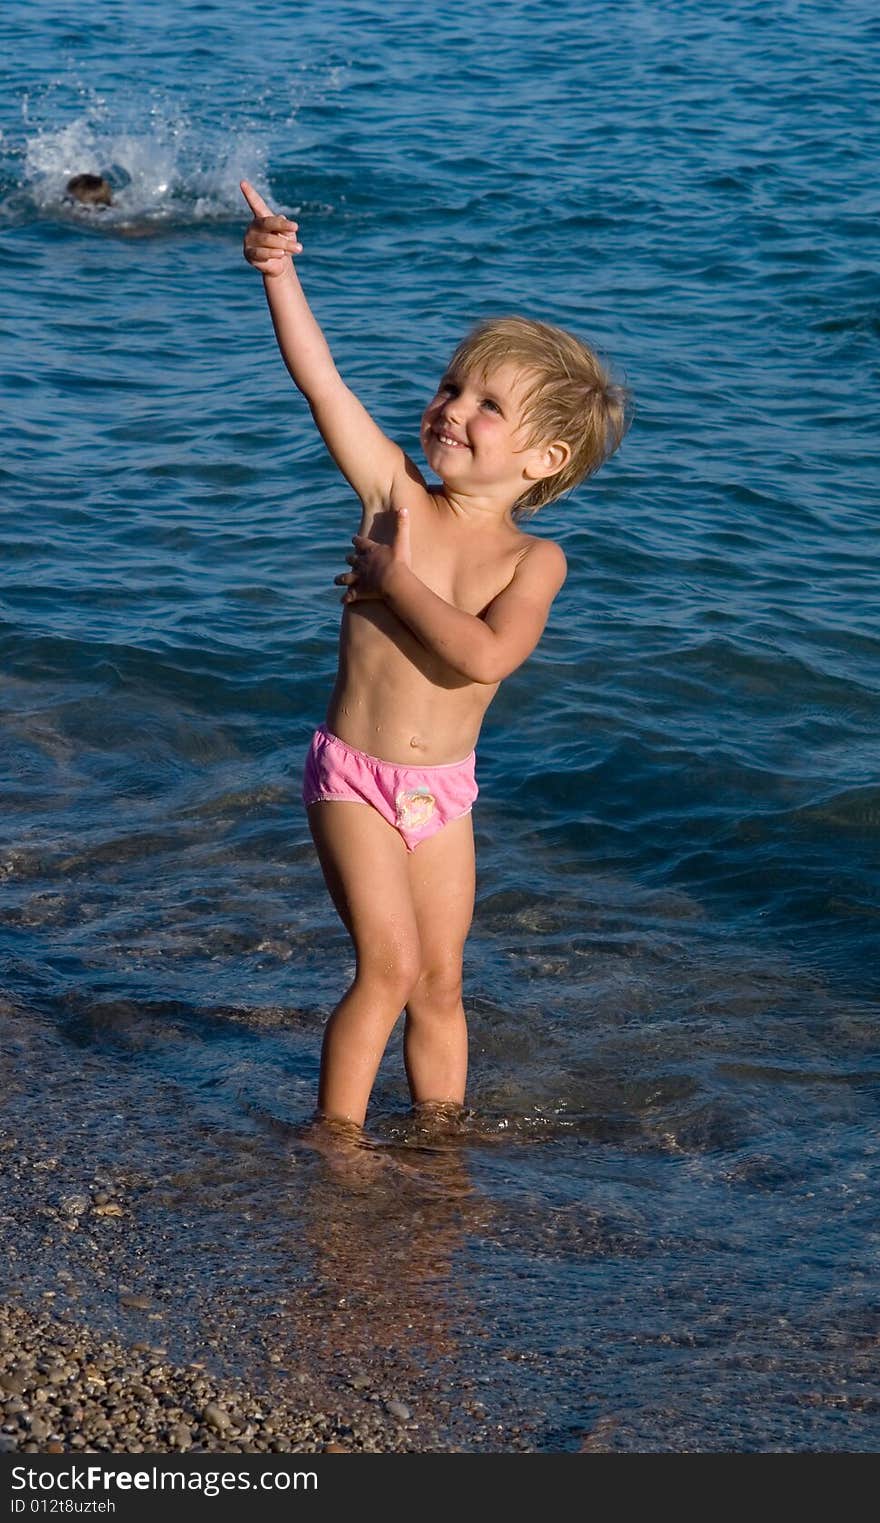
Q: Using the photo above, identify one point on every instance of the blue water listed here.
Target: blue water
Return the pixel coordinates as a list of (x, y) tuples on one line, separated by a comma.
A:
[(668, 1234)]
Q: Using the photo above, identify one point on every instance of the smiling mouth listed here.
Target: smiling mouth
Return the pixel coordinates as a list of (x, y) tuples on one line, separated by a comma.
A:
[(447, 440)]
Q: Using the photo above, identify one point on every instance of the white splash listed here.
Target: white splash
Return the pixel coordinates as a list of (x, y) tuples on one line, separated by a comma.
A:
[(160, 168)]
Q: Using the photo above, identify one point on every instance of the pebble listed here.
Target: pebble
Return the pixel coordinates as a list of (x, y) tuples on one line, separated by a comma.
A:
[(398, 1410), (74, 1205), (215, 1417)]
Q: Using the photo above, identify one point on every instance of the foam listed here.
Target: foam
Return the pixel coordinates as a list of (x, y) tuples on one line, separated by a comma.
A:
[(163, 168)]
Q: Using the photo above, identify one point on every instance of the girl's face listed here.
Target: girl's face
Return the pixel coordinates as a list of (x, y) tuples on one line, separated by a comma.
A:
[(473, 431)]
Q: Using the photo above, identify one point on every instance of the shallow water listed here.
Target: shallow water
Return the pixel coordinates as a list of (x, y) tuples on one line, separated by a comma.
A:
[(657, 1230)]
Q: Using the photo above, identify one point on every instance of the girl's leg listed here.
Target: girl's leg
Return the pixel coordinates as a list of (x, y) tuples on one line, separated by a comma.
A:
[(442, 880), (365, 867)]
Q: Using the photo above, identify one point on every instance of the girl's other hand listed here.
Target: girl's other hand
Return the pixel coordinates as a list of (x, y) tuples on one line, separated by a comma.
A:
[(373, 563)]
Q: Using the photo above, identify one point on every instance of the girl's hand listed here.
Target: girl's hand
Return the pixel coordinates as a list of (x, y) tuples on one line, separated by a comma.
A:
[(270, 240), (373, 563)]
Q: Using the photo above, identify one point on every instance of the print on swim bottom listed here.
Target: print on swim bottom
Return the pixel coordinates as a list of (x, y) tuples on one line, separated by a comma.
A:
[(414, 807)]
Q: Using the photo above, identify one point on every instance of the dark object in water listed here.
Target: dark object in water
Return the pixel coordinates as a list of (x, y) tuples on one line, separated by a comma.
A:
[(90, 190)]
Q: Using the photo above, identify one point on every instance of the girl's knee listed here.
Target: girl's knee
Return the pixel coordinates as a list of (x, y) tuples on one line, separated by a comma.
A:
[(395, 971), (439, 985)]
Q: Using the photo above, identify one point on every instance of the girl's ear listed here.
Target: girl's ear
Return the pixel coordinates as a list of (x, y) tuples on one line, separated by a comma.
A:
[(558, 454), (549, 460)]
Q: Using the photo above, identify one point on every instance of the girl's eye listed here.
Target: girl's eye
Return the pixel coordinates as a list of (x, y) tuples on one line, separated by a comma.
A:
[(487, 402)]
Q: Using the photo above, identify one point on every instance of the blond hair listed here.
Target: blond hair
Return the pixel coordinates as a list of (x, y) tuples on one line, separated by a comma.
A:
[(569, 395)]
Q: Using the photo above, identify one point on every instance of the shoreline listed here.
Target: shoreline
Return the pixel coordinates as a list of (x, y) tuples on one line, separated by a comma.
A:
[(65, 1389), (159, 1267), (101, 1362)]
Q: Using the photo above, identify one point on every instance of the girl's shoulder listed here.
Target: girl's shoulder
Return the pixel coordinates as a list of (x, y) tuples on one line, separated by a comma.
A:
[(545, 553)]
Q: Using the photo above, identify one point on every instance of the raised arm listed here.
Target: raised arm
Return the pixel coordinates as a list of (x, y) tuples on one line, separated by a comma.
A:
[(367, 458)]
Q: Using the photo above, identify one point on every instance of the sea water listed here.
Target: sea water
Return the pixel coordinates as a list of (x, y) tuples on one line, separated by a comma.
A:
[(658, 1227)]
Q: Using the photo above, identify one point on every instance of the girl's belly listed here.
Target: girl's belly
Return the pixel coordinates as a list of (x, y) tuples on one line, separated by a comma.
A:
[(395, 700)]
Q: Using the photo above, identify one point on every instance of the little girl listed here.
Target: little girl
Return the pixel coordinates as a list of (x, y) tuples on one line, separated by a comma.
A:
[(445, 596)]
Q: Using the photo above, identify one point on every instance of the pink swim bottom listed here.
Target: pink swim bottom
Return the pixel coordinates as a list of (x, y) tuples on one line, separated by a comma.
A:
[(417, 801)]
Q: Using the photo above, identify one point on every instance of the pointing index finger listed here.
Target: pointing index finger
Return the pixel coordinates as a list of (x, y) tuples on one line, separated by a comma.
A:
[(255, 200)]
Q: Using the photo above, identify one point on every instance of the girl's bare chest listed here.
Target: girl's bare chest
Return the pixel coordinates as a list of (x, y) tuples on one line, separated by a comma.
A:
[(465, 568), (464, 573)]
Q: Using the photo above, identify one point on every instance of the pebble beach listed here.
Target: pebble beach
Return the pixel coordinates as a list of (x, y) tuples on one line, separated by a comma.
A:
[(114, 1338)]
